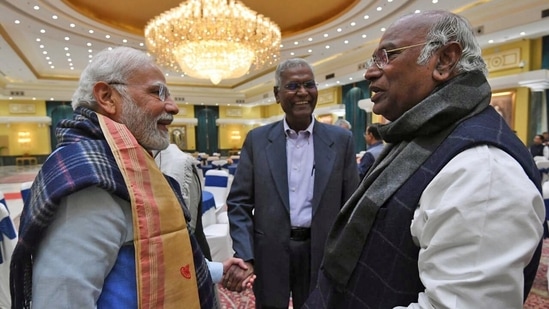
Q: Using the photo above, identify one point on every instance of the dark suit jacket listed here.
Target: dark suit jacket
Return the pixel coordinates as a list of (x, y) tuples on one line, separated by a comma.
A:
[(261, 184)]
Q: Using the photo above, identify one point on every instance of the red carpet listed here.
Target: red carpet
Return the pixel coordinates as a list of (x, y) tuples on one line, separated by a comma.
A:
[(538, 298)]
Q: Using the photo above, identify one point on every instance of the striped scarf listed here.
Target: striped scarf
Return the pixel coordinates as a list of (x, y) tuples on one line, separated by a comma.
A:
[(83, 159)]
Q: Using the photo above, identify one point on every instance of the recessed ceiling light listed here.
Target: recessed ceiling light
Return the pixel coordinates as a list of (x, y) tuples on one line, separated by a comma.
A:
[(17, 21), (124, 41), (364, 36), (346, 41), (42, 31), (54, 16), (52, 99), (68, 54), (379, 8), (435, 1), (66, 48), (90, 56), (72, 25), (88, 44), (523, 33), (327, 46), (338, 29), (45, 52), (325, 35), (36, 7), (52, 67), (38, 40), (353, 24), (383, 29), (107, 36), (366, 16), (67, 38), (310, 39), (296, 43), (141, 44), (310, 51), (417, 11), (91, 31), (90, 51), (292, 53), (490, 41), (281, 45), (41, 46), (48, 58)]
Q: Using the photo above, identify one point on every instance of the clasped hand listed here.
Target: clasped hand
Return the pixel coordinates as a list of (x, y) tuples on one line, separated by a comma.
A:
[(237, 275)]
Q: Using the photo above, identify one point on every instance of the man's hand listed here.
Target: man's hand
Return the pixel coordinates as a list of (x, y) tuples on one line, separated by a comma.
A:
[(237, 275)]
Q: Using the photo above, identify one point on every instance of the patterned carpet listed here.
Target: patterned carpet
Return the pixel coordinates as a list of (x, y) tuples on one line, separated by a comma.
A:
[(539, 295), (538, 298)]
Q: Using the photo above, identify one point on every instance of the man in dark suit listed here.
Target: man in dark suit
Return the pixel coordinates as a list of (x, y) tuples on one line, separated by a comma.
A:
[(292, 178)]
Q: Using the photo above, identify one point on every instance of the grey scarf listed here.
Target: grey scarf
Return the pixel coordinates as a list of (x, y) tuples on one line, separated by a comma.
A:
[(412, 137)]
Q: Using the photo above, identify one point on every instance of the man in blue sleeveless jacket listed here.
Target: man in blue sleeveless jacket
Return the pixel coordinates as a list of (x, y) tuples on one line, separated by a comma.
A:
[(450, 216)]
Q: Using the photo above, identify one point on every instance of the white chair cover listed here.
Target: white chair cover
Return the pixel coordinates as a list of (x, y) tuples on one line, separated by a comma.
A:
[(217, 182)]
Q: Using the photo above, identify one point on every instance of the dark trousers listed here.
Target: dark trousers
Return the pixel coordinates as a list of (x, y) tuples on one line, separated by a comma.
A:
[(300, 274)]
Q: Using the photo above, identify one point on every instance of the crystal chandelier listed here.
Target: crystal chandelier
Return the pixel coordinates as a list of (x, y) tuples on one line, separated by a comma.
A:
[(213, 39)]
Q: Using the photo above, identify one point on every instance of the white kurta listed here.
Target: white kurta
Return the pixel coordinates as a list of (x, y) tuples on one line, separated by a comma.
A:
[(477, 225)]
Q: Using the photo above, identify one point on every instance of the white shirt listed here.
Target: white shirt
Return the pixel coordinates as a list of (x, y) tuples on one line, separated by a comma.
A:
[(477, 226)]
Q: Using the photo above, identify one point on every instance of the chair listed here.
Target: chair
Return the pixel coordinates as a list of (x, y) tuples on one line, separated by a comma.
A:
[(219, 241), (217, 182), (3, 201), (8, 240), (25, 191), (543, 167), (235, 159)]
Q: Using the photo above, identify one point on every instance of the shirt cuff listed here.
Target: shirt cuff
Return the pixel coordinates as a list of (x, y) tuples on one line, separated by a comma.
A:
[(216, 271)]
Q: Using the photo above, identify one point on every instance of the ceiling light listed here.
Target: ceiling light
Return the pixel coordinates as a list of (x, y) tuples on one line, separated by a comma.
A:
[(36, 7), (213, 39), (17, 21)]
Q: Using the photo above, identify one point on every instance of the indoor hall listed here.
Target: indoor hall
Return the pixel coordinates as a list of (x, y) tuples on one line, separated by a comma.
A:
[(45, 44)]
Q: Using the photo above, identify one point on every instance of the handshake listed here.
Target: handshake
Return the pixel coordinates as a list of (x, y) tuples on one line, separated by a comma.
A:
[(237, 275)]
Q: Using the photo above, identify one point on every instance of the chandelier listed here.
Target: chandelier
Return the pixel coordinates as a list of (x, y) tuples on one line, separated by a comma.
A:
[(213, 39)]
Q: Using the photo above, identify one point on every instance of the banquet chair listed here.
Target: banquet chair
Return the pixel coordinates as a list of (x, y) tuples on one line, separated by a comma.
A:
[(543, 167), (25, 191), (8, 240), (3, 201), (217, 182)]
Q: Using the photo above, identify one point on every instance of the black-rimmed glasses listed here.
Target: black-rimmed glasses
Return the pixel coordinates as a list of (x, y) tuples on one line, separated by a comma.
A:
[(160, 90), (294, 86), (381, 56)]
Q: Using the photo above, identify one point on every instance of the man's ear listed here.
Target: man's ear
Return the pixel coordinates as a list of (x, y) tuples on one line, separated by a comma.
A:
[(448, 57), (275, 91), (105, 97)]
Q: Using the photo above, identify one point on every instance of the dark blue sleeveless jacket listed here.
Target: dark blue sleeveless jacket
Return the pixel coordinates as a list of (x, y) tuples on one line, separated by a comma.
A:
[(387, 272)]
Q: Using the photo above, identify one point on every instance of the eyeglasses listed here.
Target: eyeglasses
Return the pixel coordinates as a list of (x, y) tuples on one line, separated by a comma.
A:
[(294, 86), (381, 56), (159, 90)]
